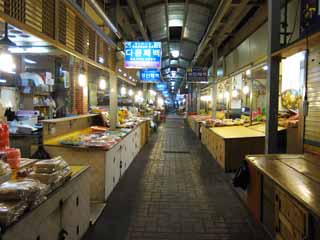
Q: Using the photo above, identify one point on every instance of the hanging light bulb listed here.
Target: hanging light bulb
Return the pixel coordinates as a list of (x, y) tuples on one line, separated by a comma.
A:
[(6, 58), (226, 95), (6, 62), (130, 93), (82, 79), (220, 95), (123, 91), (102, 84), (246, 89), (139, 93), (248, 72), (235, 93)]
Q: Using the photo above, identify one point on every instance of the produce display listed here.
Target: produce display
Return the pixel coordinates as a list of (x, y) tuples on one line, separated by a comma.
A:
[(101, 137), (290, 99)]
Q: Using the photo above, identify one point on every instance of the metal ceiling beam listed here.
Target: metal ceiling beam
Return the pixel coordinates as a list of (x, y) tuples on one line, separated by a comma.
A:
[(167, 22), (194, 2), (260, 17), (136, 14), (105, 18), (228, 26), (213, 25), (241, 10)]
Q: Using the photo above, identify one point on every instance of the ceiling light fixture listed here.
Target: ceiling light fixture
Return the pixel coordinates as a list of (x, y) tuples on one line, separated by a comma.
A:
[(29, 61), (102, 84), (175, 53)]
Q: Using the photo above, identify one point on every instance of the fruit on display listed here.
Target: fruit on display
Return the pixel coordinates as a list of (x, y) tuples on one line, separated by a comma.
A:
[(290, 99)]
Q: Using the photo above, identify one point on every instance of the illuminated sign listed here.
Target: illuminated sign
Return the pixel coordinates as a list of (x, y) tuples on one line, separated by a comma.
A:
[(142, 55), (197, 75), (161, 86), (150, 75)]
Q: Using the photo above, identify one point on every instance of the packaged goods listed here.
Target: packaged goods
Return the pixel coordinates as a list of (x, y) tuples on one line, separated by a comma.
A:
[(22, 189), (50, 165), (11, 211), (13, 156), (4, 136)]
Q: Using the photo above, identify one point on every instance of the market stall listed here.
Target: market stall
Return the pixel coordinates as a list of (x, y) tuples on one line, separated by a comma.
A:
[(108, 153), (282, 194)]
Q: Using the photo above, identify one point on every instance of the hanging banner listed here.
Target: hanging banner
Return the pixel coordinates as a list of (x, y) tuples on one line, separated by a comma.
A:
[(150, 75), (197, 75), (141, 55)]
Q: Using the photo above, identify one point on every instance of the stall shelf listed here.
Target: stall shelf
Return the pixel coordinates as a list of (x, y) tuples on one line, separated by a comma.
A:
[(66, 211), (283, 194), (107, 165)]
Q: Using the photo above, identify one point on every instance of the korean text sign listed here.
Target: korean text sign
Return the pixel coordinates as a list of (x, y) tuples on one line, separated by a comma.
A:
[(141, 55), (150, 75)]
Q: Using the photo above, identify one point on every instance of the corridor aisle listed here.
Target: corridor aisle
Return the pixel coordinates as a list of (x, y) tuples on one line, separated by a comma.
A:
[(174, 190)]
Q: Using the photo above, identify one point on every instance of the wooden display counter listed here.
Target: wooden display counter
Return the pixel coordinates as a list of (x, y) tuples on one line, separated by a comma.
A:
[(284, 194), (67, 209), (106, 166), (230, 144)]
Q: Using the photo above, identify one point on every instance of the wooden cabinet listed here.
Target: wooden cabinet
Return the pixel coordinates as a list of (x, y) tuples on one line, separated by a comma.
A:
[(66, 210), (107, 166), (291, 219)]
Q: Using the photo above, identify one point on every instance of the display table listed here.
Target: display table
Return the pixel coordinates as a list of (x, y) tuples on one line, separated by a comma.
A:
[(66, 209), (284, 194), (229, 145), (107, 165)]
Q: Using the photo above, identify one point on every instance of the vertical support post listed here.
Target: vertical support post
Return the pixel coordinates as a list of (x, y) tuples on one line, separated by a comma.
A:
[(113, 101), (214, 82), (145, 92), (274, 20), (198, 100)]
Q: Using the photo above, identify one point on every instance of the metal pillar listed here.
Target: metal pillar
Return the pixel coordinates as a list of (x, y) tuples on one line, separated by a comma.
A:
[(274, 19), (113, 101), (145, 92), (214, 82), (198, 100)]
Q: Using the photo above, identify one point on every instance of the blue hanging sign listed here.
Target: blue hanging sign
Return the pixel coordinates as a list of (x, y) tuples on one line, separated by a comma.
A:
[(141, 55), (161, 86), (150, 75)]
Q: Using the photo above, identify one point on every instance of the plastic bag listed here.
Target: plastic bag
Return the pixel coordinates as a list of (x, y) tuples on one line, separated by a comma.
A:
[(11, 211), (22, 189), (50, 165), (242, 176)]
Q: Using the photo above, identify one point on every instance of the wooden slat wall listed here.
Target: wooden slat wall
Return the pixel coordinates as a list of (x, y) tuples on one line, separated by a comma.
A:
[(1, 6), (72, 31), (48, 18), (62, 24), (34, 14), (312, 122)]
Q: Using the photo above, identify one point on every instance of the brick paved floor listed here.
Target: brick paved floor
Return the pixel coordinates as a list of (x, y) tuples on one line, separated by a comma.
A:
[(174, 190)]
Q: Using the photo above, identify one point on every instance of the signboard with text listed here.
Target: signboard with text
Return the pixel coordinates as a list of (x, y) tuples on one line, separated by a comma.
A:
[(150, 75), (141, 55), (161, 86), (197, 75)]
